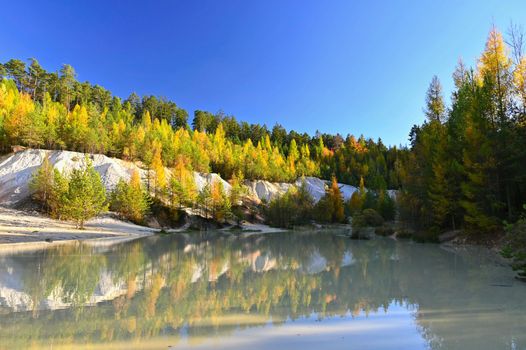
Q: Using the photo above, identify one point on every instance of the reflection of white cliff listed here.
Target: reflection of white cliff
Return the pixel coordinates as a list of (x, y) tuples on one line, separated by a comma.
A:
[(317, 263), (15, 296), (347, 259), (260, 262), (10, 286)]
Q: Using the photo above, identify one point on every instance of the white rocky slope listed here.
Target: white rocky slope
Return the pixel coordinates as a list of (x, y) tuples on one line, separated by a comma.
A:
[(266, 191), (16, 171)]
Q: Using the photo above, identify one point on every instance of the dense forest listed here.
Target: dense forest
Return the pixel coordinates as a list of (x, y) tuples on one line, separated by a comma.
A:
[(465, 166), (467, 162), (55, 111)]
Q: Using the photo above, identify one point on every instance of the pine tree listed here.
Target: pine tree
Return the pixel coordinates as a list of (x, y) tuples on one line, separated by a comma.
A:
[(303, 204), (204, 200), (42, 184), (86, 195), (477, 189), (16, 69), (36, 76), (57, 198), (67, 81), (178, 193)]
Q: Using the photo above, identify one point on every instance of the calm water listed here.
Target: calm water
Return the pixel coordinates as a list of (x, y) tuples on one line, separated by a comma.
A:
[(276, 291)]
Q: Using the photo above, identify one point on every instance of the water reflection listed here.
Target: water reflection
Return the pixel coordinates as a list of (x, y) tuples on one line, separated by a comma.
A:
[(187, 289)]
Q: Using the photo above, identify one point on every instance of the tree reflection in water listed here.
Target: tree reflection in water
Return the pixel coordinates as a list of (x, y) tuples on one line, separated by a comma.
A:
[(203, 285)]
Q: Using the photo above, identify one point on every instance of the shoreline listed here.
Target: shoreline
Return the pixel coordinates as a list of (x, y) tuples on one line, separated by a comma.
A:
[(21, 230), (24, 231)]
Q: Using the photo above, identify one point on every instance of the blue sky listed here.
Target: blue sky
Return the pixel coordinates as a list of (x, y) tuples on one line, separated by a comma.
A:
[(359, 67)]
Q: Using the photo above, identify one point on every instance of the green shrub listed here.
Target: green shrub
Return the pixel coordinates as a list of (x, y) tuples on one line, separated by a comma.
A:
[(377, 200), (384, 231), (404, 234), (371, 200), (428, 236), (515, 245), (372, 218), (78, 197), (295, 207)]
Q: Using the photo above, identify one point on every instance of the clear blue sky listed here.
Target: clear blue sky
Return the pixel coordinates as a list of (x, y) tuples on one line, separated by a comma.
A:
[(359, 67)]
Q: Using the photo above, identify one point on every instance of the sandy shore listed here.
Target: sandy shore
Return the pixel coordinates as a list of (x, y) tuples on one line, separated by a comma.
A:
[(21, 230)]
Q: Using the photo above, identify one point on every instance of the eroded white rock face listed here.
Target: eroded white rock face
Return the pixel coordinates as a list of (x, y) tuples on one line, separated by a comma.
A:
[(316, 187), (201, 179), (266, 191), (17, 169), (15, 297)]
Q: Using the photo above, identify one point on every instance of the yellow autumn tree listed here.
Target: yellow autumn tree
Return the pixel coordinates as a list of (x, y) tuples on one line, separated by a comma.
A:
[(495, 58), (519, 80), (494, 70), (183, 190), (238, 189), (146, 121), (76, 129), (221, 207), (17, 120), (129, 199), (53, 114), (292, 158), (158, 169)]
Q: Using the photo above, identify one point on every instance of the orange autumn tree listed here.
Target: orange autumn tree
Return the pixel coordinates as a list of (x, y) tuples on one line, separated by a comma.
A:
[(338, 214), (331, 207), (221, 207)]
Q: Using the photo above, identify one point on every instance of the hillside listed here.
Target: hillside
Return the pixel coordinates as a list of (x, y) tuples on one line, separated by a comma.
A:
[(16, 171)]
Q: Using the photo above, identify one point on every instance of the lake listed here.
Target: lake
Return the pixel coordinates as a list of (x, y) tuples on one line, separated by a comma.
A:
[(216, 290)]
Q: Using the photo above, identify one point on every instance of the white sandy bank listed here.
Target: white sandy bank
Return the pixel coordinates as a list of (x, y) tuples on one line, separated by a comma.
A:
[(22, 230)]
